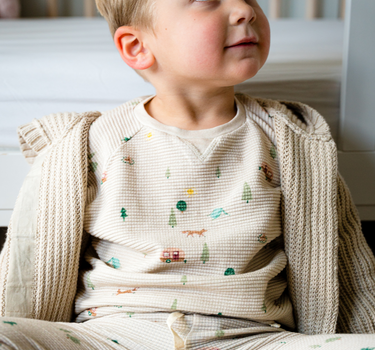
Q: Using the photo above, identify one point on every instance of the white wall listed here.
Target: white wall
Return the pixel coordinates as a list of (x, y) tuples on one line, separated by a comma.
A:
[(289, 8)]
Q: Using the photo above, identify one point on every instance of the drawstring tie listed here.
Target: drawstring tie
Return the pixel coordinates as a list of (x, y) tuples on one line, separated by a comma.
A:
[(179, 343)]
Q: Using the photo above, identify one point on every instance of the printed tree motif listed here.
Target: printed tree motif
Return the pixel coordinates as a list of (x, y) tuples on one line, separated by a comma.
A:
[(205, 255), (246, 194), (172, 219), (130, 314), (218, 172), (92, 165), (123, 213), (220, 333), (168, 173), (75, 340), (264, 308), (89, 283), (184, 279), (181, 206), (65, 330), (174, 305), (229, 272), (114, 262), (126, 139), (315, 346), (332, 339), (273, 152), (10, 322)]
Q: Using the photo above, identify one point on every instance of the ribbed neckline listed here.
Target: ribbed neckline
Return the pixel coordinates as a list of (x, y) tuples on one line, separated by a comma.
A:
[(144, 118)]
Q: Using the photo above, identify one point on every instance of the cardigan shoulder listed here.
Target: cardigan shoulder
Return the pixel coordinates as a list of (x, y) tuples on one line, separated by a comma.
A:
[(300, 117), (36, 135)]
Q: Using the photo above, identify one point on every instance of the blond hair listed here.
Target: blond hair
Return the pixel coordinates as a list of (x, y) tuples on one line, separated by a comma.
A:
[(139, 14)]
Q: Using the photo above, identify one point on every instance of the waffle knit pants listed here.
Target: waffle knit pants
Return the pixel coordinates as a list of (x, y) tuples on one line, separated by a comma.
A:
[(164, 331)]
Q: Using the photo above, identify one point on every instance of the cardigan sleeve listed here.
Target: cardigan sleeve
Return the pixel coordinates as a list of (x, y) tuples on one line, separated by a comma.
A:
[(356, 270), (32, 139)]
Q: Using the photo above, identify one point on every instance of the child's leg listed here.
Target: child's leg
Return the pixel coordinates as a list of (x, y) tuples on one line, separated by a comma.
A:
[(328, 342), (112, 333), (291, 341), (214, 333)]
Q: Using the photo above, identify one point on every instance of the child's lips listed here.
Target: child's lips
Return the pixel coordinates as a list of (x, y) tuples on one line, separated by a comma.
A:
[(243, 45)]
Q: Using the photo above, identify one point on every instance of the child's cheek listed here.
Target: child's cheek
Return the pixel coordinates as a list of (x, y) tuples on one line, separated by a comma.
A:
[(204, 46)]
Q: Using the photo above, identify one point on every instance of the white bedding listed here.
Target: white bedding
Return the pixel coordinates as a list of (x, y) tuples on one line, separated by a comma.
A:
[(71, 64)]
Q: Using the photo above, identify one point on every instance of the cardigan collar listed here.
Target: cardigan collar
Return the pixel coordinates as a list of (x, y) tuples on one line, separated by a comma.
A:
[(316, 126)]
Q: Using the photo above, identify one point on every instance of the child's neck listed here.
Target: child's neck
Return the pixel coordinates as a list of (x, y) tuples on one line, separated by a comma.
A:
[(194, 111)]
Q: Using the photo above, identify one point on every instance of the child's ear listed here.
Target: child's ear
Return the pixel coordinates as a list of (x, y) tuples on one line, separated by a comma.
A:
[(130, 44)]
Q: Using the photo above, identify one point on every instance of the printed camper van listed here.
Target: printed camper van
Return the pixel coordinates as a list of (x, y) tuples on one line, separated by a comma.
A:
[(172, 255)]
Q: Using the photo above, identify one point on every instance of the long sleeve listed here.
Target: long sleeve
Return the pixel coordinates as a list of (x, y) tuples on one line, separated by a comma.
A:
[(356, 269), (39, 266)]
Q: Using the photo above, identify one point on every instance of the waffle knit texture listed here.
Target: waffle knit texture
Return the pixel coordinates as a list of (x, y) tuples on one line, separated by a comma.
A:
[(330, 268), (185, 220), (153, 331)]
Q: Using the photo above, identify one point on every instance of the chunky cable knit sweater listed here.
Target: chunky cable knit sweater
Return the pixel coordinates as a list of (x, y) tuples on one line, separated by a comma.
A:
[(330, 268)]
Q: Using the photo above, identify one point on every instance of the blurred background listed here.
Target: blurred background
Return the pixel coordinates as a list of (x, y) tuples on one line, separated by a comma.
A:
[(283, 8), (58, 55)]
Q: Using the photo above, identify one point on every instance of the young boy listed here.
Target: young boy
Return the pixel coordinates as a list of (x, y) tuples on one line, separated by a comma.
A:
[(215, 220)]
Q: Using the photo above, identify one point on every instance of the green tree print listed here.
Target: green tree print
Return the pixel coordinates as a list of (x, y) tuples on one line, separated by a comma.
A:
[(123, 213), (181, 206), (172, 219), (184, 279), (246, 194), (205, 255), (174, 305), (93, 166), (75, 340), (89, 283), (220, 333), (264, 308), (229, 272), (273, 152), (332, 339), (218, 172), (168, 173)]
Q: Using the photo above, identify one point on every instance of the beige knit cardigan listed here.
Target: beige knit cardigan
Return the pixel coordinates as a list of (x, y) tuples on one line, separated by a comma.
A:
[(330, 271)]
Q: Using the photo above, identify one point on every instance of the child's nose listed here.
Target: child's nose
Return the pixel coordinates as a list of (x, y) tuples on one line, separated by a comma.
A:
[(241, 12)]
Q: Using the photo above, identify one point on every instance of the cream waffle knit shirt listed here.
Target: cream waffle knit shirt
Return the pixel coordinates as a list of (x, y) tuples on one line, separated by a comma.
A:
[(184, 220)]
